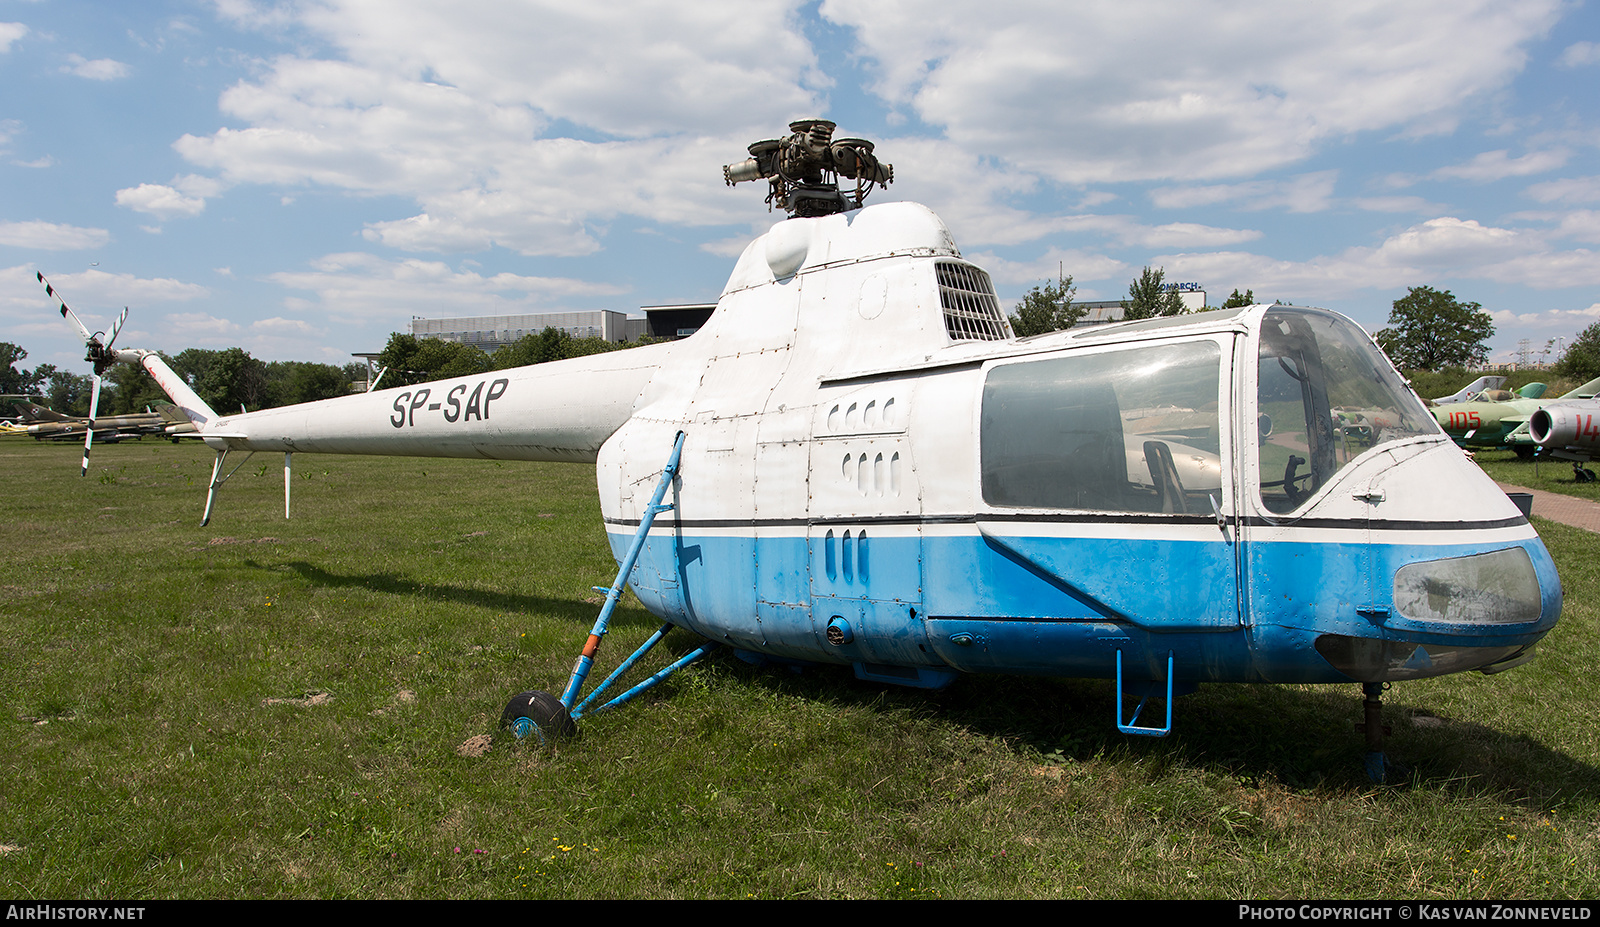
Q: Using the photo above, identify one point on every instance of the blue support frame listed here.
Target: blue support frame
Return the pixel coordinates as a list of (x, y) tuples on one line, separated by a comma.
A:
[(585, 661), (1132, 727)]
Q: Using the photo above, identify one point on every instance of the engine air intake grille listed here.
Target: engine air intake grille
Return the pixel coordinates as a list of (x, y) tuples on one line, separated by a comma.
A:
[(971, 311)]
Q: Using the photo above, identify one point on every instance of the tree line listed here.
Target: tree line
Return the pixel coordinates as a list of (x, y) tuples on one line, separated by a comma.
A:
[(1050, 307), (230, 379), (1428, 329), (409, 360)]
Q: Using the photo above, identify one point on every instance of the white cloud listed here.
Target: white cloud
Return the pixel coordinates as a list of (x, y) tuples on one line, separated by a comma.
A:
[(1580, 54), (1567, 190), (199, 327), (281, 326), (1442, 248), (1582, 224), (629, 68), (10, 32), (726, 247), (1414, 204), (98, 69), (1082, 266), (160, 201), (96, 298), (519, 130), (91, 286), (358, 286), (1304, 193), (1496, 165), (1448, 242), (51, 236), (1565, 319), (1081, 93), (1188, 235), (185, 198)]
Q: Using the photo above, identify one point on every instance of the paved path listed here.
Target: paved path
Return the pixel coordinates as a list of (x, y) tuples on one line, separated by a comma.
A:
[(1569, 510)]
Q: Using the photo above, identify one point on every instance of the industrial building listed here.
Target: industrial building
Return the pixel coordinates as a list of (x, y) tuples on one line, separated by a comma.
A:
[(490, 333)]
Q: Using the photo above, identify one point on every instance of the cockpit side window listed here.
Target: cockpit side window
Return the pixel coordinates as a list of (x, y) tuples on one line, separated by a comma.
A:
[(1325, 395), (1123, 431)]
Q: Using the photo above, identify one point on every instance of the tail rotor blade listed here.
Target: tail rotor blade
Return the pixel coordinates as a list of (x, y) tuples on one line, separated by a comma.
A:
[(117, 328), (88, 435), (66, 313)]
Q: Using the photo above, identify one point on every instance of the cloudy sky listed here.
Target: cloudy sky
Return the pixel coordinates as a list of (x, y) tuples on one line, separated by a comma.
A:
[(300, 178)]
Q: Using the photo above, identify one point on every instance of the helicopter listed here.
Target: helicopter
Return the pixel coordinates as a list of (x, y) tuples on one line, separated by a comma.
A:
[(856, 462)]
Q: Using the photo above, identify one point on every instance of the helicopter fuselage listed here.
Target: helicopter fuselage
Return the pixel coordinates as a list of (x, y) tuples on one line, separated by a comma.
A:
[(875, 472)]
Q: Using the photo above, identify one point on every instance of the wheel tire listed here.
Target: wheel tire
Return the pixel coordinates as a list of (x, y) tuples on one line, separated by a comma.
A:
[(538, 714), (1524, 451)]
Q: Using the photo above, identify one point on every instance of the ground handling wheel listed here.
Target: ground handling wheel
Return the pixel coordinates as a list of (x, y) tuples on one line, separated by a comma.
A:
[(538, 715)]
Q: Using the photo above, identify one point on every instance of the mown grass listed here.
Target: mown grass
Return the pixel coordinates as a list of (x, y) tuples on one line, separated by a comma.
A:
[(1541, 473), (270, 708)]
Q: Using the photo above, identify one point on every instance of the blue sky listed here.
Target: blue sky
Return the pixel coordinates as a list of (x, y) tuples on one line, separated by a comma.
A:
[(301, 178)]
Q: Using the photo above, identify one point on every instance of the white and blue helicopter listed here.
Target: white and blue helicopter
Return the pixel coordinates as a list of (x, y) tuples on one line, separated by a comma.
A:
[(854, 461)]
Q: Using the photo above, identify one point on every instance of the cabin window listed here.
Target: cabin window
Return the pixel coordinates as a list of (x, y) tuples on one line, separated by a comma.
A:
[(971, 311), (1123, 431), (1325, 395)]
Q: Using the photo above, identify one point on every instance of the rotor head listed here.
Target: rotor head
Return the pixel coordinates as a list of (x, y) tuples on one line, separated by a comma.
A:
[(803, 170)]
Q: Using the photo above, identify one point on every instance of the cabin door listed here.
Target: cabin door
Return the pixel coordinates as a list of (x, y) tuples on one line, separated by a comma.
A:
[(1108, 474)]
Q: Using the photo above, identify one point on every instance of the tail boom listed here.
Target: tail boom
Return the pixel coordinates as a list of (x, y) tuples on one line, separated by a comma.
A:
[(561, 411)]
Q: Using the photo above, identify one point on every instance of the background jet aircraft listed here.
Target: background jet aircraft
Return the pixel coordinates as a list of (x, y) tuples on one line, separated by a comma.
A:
[(1567, 429), (1489, 422), (39, 423), (1471, 390)]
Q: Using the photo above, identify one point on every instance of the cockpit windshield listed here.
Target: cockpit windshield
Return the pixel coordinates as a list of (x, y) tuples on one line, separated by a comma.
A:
[(1326, 395)]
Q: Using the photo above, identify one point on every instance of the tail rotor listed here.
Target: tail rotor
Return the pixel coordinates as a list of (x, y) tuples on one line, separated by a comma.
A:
[(100, 353)]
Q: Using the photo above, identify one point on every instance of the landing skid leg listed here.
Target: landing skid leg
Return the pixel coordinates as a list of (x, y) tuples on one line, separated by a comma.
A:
[(218, 478), (545, 715), (1379, 767)]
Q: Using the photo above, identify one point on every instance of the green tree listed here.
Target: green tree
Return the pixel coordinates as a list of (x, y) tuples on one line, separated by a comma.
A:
[(412, 360), (1430, 329), (66, 392), (1581, 362), (1236, 300), (552, 344), (292, 382), (227, 379), (1148, 297), (14, 379), (1047, 308), (548, 345), (127, 388)]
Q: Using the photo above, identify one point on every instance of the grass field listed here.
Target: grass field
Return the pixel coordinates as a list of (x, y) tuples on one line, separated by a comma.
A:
[(288, 709), (1540, 473)]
